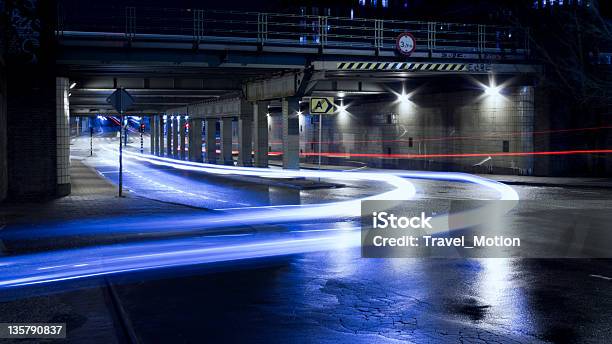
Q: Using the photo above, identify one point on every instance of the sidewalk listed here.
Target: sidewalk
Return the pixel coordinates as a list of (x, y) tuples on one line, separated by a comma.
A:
[(566, 182), (92, 196)]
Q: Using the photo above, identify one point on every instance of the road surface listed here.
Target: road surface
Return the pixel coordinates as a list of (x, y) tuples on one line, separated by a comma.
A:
[(291, 271)]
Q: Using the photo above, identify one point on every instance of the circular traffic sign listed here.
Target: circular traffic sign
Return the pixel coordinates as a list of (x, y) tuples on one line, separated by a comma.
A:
[(405, 43)]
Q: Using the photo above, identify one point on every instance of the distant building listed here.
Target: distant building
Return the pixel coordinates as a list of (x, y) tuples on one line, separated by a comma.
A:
[(542, 4)]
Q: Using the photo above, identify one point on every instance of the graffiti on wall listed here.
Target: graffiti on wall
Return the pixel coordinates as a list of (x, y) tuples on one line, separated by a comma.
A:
[(23, 31)]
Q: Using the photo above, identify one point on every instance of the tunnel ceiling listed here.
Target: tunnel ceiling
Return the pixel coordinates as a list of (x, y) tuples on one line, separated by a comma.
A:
[(154, 88)]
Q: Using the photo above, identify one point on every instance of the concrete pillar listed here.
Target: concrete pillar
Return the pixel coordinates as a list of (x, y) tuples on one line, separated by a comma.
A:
[(260, 133), (175, 137), (152, 125), (85, 124), (245, 142), (160, 135), (291, 133), (169, 136), (226, 141), (190, 139), (182, 128), (62, 130), (195, 140), (211, 141)]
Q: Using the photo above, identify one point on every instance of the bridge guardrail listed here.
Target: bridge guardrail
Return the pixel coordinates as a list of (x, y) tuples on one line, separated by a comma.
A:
[(324, 32)]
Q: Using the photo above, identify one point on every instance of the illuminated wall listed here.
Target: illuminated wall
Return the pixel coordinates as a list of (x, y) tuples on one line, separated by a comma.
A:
[(410, 134)]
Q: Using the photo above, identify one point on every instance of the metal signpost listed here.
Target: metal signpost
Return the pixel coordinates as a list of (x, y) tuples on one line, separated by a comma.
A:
[(321, 106), (121, 100), (142, 129), (91, 130)]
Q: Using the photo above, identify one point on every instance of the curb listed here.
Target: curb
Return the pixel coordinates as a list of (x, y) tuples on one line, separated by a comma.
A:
[(558, 185)]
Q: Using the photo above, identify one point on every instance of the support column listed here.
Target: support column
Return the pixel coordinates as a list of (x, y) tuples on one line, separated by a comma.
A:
[(169, 136), (260, 133), (152, 125), (62, 131), (190, 140), (226, 141), (211, 141), (160, 136), (175, 137), (291, 133), (182, 128), (245, 143), (195, 140)]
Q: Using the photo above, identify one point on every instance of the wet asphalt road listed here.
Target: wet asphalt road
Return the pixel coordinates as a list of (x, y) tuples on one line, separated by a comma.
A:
[(334, 296)]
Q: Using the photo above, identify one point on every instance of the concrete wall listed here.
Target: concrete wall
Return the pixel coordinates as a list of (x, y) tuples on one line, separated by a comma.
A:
[(31, 152), (3, 162), (32, 140), (449, 123)]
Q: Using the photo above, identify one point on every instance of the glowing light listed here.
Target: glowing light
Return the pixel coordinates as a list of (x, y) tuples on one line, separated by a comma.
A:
[(341, 94), (492, 91), (403, 97), (342, 108), (73, 85), (299, 113)]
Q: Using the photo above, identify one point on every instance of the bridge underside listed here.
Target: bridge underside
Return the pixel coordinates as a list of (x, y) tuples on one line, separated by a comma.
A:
[(160, 84), (209, 94)]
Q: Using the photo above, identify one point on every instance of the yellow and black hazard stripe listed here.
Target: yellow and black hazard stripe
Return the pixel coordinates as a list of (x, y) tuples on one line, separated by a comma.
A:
[(403, 66)]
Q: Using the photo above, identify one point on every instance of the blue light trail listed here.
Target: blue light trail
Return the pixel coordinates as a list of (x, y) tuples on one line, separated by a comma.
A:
[(93, 261)]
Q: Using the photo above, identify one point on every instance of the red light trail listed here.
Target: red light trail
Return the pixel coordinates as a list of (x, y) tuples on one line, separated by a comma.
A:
[(449, 155), (493, 136)]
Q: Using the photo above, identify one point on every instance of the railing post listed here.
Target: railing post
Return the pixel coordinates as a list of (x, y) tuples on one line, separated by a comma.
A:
[(482, 40), (198, 27), (431, 37), (378, 35), (130, 23), (527, 46), (322, 31), (60, 19), (262, 28)]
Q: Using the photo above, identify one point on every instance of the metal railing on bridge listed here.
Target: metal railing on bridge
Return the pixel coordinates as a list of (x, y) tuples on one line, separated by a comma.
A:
[(324, 32)]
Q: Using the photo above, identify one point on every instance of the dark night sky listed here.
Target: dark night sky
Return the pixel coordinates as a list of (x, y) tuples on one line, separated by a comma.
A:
[(451, 10)]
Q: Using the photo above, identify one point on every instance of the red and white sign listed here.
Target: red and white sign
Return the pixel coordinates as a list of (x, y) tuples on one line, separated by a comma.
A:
[(405, 43)]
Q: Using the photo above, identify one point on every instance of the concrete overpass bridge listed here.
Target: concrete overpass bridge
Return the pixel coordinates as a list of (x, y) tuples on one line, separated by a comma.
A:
[(218, 69)]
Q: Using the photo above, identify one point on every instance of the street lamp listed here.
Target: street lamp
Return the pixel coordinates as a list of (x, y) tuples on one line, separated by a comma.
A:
[(403, 97), (492, 90)]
